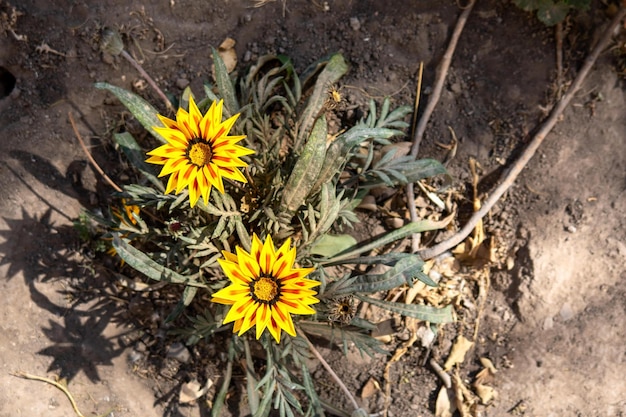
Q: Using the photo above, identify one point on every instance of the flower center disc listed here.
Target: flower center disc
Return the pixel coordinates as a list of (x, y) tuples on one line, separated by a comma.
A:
[(200, 154), (265, 290)]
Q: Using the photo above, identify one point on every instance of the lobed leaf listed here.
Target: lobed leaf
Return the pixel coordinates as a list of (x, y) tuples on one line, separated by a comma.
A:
[(403, 272), (416, 311)]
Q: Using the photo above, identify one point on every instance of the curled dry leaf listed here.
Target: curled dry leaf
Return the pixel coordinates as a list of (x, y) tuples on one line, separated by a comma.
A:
[(457, 353), (487, 364), (370, 388), (228, 54), (486, 393), (445, 406), (464, 398), (193, 390)]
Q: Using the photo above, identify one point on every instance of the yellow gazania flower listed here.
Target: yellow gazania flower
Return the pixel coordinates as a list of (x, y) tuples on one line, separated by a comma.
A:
[(199, 152), (265, 288)]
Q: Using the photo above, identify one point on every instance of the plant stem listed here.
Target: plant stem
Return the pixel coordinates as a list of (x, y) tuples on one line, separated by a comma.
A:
[(149, 79), (330, 371), (93, 161), (513, 172)]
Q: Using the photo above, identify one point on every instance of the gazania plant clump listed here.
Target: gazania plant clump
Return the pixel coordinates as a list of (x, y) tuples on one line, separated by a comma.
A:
[(252, 227)]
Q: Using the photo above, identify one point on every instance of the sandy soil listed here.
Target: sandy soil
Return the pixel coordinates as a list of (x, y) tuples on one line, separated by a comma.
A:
[(554, 323)]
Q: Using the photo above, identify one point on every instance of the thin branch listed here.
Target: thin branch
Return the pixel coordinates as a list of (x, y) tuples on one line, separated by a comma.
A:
[(332, 373), (93, 161), (62, 387), (418, 133), (149, 79), (513, 172), (442, 72)]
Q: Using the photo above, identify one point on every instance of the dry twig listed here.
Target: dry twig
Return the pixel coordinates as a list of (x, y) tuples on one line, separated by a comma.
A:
[(430, 107), (513, 172), (93, 161), (56, 384), (332, 373)]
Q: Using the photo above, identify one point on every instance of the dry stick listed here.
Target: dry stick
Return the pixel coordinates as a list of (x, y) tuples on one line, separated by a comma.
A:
[(93, 161), (332, 373), (515, 169), (63, 388), (430, 107), (149, 79)]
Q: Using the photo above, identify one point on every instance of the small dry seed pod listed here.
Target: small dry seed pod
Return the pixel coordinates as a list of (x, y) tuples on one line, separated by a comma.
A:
[(111, 42)]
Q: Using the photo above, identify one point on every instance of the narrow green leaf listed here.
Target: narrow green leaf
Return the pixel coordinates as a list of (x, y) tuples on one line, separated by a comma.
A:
[(140, 108), (137, 157), (144, 264), (300, 182), (251, 379), (188, 295), (309, 388), (334, 70), (328, 245), (420, 312), (401, 233), (220, 398), (225, 84), (338, 151)]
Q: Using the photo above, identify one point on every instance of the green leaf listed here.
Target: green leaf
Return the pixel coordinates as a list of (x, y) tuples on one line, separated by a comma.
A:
[(186, 299), (403, 272), (420, 312), (529, 5), (334, 70), (339, 149), (404, 170), (141, 109), (309, 387), (251, 379), (144, 264), (302, 178), (225, 85), (552, 13), (220, 398), (137, 157), (328, 245), (401, 233)]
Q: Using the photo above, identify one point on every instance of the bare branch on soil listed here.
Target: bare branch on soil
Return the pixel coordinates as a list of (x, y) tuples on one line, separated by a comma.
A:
[(418, 134), (513, 172)]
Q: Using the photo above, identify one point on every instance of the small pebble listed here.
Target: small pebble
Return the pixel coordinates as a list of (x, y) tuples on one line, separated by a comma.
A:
[(182, 83), (179, 352), (355, 24)]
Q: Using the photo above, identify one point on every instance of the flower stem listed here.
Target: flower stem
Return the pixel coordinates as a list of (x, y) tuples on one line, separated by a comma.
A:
[(330, 371)]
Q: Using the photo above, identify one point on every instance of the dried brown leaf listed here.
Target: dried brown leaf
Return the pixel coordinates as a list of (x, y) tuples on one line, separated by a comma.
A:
[(457, 353)]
